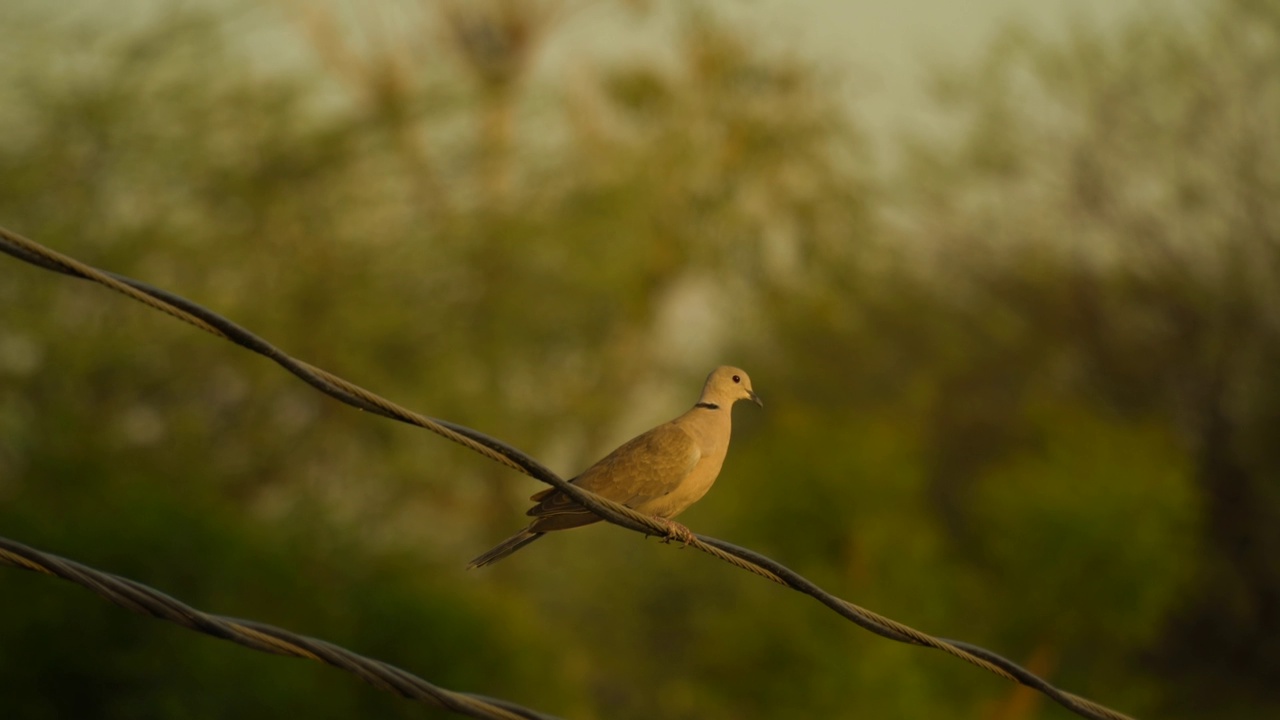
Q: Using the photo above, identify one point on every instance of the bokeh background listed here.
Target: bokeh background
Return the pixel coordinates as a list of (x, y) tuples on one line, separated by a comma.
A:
[(1008, 280)]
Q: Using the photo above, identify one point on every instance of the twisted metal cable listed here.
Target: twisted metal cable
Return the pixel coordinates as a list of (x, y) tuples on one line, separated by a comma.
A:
[(143, 600), (498, 451)]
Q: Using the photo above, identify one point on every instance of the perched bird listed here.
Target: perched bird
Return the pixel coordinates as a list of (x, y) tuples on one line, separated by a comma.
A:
[(659, 473)]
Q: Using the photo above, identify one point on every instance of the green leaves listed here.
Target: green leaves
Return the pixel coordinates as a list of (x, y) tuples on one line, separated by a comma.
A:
[(1020, 393)]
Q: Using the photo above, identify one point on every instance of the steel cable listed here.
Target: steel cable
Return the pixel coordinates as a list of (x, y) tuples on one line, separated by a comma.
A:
[(498, 451), (144, 600)]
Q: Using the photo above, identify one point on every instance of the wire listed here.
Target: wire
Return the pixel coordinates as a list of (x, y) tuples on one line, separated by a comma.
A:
[(143, 600), (498, 451)]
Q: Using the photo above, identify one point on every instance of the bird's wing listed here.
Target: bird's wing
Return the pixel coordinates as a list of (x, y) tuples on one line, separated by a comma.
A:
[(646, 467)]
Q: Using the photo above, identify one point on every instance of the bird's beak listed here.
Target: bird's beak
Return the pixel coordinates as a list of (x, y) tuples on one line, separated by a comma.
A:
[(755, 398)]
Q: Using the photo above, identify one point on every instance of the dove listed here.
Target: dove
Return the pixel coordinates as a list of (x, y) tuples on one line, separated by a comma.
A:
[(660, 473)]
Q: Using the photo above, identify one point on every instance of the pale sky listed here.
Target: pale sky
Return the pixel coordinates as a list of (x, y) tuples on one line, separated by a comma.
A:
[(886, 47), (883, 48)]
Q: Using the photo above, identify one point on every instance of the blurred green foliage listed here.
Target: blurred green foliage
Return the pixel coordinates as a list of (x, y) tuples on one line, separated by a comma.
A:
[(1021, 389)]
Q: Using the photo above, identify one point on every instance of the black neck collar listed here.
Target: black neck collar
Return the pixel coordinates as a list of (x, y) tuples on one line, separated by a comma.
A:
[(707, 405)]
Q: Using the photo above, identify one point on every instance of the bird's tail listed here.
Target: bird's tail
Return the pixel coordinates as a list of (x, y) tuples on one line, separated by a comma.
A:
[(505, 548)]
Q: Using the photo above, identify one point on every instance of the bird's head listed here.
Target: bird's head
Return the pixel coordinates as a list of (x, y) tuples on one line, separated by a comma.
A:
[(726, 385)]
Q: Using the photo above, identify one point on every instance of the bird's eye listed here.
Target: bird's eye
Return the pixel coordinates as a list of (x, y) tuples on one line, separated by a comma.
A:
[(737, 379)]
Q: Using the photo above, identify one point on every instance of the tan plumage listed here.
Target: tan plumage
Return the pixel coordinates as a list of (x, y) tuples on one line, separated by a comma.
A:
[(660, 473)]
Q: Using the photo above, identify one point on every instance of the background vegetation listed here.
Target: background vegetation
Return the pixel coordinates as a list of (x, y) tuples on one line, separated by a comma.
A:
[(1021, 385)]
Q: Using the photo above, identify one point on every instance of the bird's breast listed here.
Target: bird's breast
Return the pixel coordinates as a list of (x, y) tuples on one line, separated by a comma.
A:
[(695, 484)]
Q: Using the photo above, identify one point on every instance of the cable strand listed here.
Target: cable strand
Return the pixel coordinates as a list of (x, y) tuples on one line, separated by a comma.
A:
[(144, 600)]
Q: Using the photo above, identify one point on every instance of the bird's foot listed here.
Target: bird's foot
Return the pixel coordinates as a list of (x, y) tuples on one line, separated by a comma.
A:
[(678, 532)]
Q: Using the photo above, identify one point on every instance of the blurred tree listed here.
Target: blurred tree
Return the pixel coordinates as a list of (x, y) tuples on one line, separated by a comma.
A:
[(567, 276), (1019, 394), (159, 453), (1107, 212)]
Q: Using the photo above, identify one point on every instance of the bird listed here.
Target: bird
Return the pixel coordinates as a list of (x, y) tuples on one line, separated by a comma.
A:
[(660, 473)]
